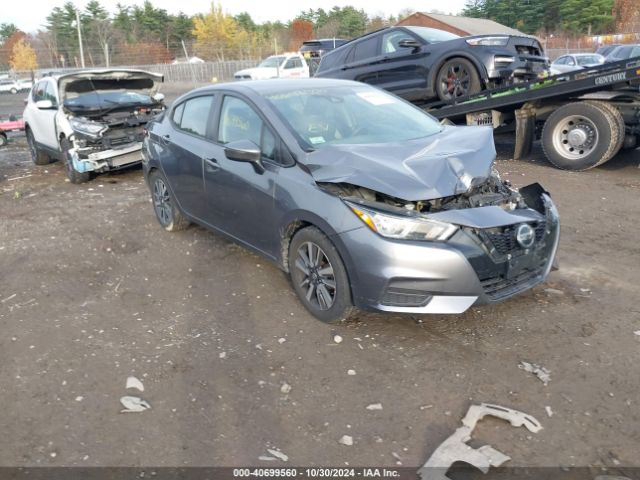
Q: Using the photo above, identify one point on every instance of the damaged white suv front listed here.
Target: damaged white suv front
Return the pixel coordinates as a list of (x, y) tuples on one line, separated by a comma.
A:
[(93, 121)]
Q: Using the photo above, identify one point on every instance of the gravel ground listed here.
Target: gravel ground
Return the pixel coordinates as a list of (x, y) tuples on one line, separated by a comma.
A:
[(93, 291)]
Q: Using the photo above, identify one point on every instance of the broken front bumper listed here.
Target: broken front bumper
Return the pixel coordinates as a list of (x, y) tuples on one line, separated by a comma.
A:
[(479, 264), (89, 160)]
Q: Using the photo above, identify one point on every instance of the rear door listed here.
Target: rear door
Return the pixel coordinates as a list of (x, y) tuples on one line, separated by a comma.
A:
[(402, 69), (186, 150), (363, 61), (294, 68)]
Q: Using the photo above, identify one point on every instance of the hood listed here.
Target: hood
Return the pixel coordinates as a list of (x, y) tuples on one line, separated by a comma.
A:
[(88, 81), (259, 72), (442, 165)]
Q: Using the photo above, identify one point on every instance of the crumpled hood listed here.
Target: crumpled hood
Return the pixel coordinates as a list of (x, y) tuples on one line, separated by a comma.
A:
[(87, 81), (259, 73), (434, 167)]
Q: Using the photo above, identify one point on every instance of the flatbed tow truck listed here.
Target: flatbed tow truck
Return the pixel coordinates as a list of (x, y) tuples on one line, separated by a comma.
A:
[(583, 118)]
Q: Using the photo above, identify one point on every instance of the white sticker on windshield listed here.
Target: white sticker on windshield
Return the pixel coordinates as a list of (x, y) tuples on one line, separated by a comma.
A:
[(376, 98), (316, 140)]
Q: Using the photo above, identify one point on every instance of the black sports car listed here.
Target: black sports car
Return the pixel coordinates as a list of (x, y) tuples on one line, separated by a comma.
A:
[(419, 63)]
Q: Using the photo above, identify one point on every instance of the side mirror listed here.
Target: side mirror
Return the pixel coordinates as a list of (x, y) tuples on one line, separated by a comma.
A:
[(44, 104), (409, 43), (245, 151)]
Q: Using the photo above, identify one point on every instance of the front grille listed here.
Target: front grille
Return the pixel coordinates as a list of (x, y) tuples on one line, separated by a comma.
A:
[(502, 286), (504, 240), (528, 50)]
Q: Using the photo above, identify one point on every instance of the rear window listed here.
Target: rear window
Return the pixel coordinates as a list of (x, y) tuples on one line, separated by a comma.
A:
[(364, 49), (588, 60), (333, 59)]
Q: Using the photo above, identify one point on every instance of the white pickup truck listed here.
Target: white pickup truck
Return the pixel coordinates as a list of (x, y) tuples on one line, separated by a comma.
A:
[(287, 65)]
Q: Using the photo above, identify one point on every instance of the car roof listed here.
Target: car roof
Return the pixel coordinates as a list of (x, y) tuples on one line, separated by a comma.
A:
[(277, 85)]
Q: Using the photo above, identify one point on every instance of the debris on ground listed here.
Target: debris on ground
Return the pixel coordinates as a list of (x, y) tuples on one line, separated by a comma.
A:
[(222, 355), (637, 332), (549, 411), (337, 339), (455, 449), (134, 404), (425, 407), (374, 406), (346, 440), (554, 291), (542, 373), (278, 454), (133, 382), (285, 388), (266, 458), (351, 372)]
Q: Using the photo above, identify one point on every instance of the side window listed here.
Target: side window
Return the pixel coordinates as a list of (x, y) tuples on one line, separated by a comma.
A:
[(365, 49), (177, 114), (297, 63), (194, 114), (561, 61), (238, 121), (570, 61), (290, 63), (50, 93), (391, 41), (635, 52), (38, 91)]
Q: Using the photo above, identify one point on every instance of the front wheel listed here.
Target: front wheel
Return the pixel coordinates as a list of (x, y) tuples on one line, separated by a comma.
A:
[(73, 175), (458, 77), (3, 139), (319, 277)]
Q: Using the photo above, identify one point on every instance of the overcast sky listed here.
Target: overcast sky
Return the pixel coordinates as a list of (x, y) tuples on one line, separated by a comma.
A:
[(29, 15)]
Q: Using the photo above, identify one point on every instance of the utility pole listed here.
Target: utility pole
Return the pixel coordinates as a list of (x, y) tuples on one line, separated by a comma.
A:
[(80, 38)]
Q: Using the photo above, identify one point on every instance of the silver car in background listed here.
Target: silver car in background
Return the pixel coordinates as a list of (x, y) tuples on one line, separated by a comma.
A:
[(364, 199), (575, 61)]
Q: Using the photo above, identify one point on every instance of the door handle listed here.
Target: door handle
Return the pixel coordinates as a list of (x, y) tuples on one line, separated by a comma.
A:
[(211, 165), (166, 139)]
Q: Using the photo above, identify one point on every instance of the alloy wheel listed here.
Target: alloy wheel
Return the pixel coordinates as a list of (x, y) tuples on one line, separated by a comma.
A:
[(317, 275), (455, 80), (162, 202)]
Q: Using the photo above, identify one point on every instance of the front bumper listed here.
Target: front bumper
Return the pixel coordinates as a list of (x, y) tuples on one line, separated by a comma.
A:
[(476, 266), (112, 159), (522, 67)]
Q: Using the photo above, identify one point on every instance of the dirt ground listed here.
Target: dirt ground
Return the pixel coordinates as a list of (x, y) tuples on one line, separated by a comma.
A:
[(92, 291)]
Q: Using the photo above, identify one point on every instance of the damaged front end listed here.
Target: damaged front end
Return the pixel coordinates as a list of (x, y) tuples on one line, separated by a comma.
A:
[(481, 246), (105, 114)]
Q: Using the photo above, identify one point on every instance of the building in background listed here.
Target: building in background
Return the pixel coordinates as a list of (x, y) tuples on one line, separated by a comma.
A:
[(462, 26)]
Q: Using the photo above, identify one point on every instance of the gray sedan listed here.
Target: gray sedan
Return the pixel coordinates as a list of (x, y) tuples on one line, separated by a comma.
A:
[(365, 200), (575, 61)]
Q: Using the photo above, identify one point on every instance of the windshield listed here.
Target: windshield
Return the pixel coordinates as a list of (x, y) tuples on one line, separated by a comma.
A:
[(589, 60), (103, 100), (433, 35), (344, 115), (272, 62)]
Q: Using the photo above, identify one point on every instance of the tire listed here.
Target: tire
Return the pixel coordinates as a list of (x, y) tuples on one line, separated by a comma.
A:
[(617, 120), (37, 156), (14, 91), (167, 212), (3, 140), (73, 175), (579, 136), (457, 77), (315, 267)]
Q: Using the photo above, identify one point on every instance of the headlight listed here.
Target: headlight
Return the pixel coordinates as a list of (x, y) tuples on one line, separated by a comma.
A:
[(489, 41), (401, 227), (87, 127)]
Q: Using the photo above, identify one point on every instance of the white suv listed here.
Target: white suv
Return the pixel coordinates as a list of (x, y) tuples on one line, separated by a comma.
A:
[(91, 120), (287, 65)]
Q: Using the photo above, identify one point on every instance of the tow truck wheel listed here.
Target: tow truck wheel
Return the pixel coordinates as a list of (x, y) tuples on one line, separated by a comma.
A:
[(73, 175), (579, 136), (457, 77), (39, 157), (14, 91)]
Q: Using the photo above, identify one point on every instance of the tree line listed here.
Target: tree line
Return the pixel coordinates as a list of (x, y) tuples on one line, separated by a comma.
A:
[(573, 17), (145, 34)]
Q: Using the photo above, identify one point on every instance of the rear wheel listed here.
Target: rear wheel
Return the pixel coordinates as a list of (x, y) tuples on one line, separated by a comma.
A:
[(457, 78), (38, 156), (3, 139), (579, 136), (167, 212), (73, 175), (14, 90), (319, 277)]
